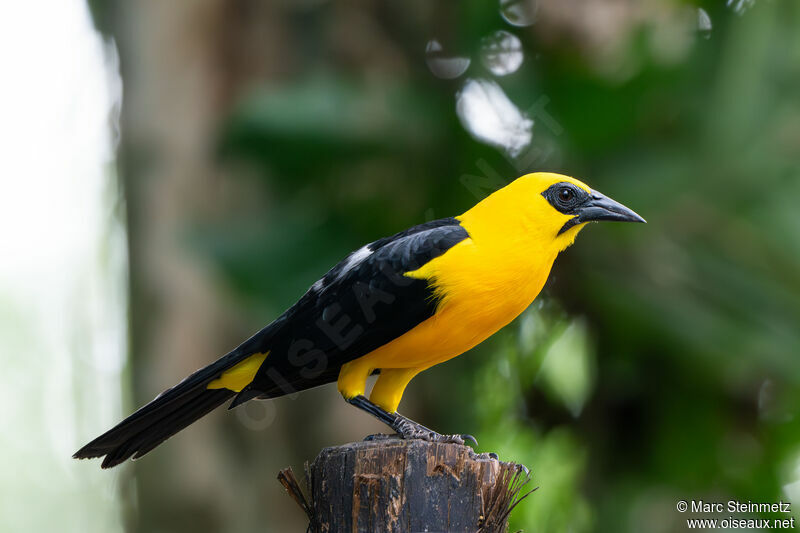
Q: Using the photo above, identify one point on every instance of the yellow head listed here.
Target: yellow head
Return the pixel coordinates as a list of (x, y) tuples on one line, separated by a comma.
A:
[(543, 209)]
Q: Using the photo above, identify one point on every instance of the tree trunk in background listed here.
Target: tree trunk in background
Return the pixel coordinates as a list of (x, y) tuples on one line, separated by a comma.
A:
[(183, 63)]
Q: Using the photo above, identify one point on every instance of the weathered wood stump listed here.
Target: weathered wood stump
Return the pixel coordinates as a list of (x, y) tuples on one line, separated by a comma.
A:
[(396, 485)]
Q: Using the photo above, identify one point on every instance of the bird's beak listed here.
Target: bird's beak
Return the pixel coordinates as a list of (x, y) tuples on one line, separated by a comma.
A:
[(601, 207)]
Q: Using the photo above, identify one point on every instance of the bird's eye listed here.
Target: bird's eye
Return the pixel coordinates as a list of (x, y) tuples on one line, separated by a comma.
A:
[(564, 197)]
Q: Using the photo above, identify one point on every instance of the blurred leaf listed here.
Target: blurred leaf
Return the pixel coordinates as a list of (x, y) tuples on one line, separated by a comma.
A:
[(304, 127)]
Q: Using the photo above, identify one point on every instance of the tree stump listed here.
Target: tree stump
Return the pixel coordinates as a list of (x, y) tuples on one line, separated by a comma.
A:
[(394, 485)]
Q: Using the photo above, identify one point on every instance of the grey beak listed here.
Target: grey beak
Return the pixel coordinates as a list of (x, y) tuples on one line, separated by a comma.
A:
[(601, 207)]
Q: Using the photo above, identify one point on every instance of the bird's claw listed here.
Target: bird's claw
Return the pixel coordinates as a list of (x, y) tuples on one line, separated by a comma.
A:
[(378, 436), (410, 430), (466, 437)]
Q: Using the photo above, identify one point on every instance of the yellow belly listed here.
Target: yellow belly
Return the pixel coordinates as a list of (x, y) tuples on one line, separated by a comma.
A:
[(453, 330), (478, 299), (443, 336)]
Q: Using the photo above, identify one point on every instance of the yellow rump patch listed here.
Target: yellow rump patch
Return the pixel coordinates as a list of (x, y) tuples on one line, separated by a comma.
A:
[(238, 376)]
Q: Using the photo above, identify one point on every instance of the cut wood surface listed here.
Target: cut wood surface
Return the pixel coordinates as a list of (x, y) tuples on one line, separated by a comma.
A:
[(395, 485)]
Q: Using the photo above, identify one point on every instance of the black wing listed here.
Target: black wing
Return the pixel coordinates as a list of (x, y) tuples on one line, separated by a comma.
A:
[(362, 303)]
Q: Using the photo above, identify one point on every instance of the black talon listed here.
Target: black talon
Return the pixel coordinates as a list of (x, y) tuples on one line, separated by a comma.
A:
[(377, 436), (467, 437)]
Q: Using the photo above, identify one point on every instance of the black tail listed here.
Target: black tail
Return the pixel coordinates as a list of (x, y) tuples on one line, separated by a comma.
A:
[(170, 412)]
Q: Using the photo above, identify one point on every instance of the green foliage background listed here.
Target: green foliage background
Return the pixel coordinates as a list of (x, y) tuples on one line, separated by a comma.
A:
[(662, 362)]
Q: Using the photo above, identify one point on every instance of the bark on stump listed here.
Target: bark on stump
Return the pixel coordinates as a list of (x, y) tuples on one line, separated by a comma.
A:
[(407, 486)]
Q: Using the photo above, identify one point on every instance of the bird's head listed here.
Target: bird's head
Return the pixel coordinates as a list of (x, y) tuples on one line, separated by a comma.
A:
[(552, 208), (567, 205)]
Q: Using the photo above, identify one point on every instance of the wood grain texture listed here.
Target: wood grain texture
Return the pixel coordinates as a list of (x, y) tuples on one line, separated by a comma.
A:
[(396, 485)]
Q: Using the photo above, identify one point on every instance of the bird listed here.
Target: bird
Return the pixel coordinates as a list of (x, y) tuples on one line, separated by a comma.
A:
[(394, 307)]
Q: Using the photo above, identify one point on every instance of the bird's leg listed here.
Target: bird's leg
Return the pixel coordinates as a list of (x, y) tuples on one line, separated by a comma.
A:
[(405, 427)]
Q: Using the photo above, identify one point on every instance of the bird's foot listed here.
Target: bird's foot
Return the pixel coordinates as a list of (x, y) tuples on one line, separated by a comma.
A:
[(409, 430), (379, 436)]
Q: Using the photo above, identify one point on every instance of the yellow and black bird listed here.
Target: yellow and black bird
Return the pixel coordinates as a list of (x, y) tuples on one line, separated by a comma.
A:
[(396, 307)]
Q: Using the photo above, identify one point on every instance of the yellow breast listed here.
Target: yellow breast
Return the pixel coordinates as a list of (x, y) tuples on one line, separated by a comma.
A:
[(481, 289)]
